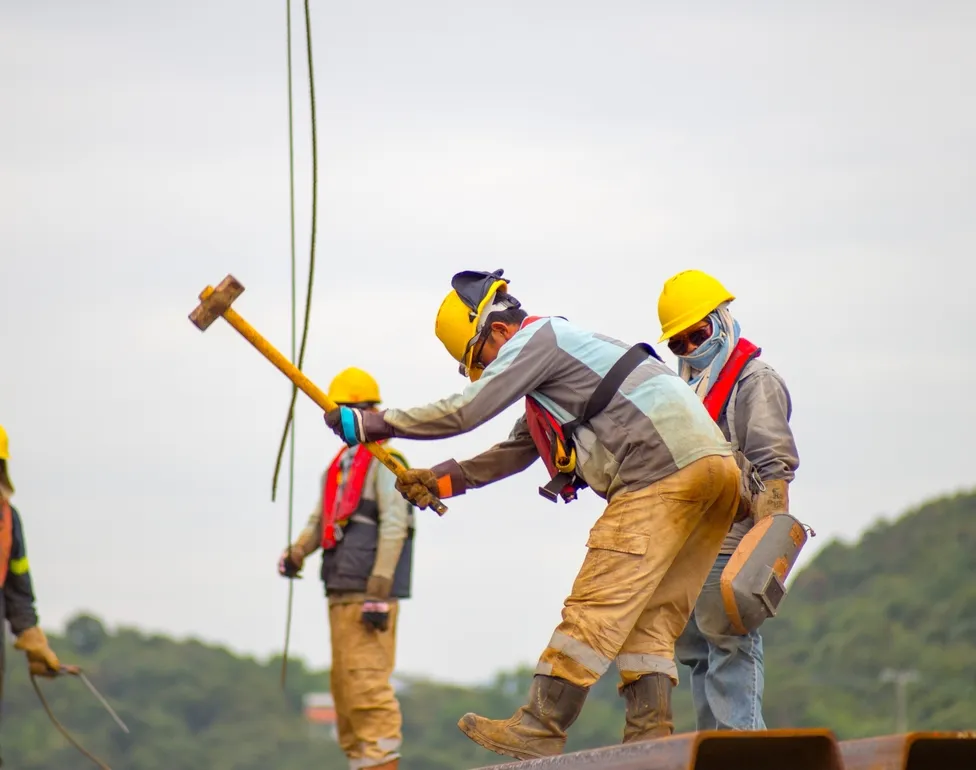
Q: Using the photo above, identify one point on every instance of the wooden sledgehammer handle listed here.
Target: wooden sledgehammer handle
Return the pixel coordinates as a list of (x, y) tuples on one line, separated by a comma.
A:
[(304, 384)]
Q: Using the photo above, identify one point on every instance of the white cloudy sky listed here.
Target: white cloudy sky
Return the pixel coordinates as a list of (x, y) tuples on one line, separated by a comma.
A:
[(817, 157)]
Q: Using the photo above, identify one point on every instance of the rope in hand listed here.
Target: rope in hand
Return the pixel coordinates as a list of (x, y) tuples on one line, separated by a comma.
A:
[(74, 671), (289, 421)]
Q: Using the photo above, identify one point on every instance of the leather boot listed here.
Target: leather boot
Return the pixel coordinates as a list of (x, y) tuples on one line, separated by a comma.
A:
[(537, 729), (648, 708)]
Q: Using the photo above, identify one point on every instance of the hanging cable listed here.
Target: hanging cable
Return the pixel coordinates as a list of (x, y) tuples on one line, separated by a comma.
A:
[(291, 459), (289, 430)]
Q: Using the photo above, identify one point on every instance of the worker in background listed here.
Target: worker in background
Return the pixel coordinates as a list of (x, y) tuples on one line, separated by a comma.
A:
[(751, 404), (365, 529), (601, 415), (17, 597)]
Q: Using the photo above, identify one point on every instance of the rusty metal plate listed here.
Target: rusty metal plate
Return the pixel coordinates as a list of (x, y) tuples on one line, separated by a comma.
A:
[(911, 751), (812, 749)]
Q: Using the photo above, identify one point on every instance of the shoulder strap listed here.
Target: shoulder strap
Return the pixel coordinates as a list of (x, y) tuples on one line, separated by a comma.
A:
[(603, 393)]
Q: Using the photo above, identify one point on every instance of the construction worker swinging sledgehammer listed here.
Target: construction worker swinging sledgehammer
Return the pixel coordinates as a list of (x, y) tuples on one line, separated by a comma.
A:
[(17, 594), (365, 529), (601, 415), (751, 404)]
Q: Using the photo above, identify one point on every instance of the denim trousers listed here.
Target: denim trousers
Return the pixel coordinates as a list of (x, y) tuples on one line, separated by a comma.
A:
[(726, 667)]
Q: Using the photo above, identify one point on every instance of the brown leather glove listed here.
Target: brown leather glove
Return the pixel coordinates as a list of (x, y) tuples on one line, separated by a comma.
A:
[(40, 657), (418, 486), (775, 499), (378, 588)]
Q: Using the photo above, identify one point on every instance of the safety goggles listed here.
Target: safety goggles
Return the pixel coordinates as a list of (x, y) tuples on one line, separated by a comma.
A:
[(681, 343), (478, 340)]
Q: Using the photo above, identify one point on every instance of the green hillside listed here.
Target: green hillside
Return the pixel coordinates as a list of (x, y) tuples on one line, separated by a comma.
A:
[(904, 597)]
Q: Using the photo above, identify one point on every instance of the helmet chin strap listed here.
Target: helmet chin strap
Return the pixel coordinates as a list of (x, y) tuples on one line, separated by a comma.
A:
[(497, 303)]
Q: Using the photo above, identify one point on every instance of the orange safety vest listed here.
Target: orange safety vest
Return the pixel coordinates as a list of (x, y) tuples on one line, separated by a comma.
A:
[(337, 508), (718, 395), (6, 540)]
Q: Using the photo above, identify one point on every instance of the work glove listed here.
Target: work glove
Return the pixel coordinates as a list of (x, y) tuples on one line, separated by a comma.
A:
[(347, 423), (418, 486), (376, 608), (376, 615), (291, 561), (774, 499), (41, 659)]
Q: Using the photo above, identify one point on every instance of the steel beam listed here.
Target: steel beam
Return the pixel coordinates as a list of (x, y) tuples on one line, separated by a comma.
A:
[(911, 751), (813, 749)]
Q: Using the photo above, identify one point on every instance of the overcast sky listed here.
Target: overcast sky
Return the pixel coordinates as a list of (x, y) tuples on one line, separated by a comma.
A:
[(816, 157)]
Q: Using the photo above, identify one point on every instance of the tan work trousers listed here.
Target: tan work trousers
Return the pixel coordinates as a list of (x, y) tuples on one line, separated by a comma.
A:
[(367, 712), (647, 560)]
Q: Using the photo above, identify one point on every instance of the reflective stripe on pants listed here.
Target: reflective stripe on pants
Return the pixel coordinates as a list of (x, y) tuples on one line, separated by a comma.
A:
[(647, 559)]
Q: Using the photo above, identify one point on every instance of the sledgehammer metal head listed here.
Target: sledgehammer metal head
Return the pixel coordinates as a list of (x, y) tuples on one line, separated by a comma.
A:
[(215, 302)]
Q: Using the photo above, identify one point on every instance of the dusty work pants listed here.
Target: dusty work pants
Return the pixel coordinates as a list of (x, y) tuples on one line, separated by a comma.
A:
[(367, 711), (726, 667), (648, 556)]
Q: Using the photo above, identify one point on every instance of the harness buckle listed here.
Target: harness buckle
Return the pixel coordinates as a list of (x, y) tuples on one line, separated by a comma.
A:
[(557, 487), (757, 481), (565, 463)]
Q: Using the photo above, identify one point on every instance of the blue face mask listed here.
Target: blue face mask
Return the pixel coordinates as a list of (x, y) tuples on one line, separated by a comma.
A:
[(712, 353), (705, 353)]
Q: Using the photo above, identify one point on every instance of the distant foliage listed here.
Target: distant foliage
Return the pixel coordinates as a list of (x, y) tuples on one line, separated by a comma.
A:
[(903, 597)]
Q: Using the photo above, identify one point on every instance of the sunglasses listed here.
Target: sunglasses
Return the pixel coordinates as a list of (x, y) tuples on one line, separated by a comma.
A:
[(698, 337)]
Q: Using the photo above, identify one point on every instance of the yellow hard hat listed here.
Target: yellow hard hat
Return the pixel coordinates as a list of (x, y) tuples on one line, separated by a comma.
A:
[(4, 457), (461, 314), (354, 386), (686, 299)]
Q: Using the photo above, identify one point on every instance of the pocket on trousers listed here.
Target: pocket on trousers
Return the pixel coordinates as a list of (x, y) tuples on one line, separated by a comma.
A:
[(621, 542), (369, 655), (688, 486)]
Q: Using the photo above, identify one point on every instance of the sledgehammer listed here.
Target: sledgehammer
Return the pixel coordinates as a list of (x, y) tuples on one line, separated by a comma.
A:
[(217, 302)]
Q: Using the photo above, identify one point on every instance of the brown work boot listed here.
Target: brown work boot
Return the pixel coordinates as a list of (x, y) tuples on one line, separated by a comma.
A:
[(648, 708), (537, 729)]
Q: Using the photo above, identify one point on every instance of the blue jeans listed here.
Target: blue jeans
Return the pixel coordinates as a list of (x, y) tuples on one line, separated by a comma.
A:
[(726, 667)]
